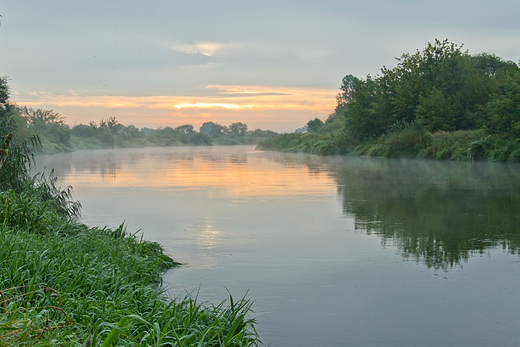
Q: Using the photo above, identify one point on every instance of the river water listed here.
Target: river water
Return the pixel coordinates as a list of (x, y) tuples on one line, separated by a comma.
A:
[(334, 251)]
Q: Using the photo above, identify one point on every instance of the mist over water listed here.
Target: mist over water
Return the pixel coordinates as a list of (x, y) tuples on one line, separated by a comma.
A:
[(334, 251)]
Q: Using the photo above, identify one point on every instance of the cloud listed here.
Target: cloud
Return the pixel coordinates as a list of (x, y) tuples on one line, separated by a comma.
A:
[(207, 105), (242, 91), (268, 107), (206, 48), (231, 97)]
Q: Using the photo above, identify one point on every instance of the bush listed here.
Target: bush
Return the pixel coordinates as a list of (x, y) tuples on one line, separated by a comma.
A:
[(408, 142)]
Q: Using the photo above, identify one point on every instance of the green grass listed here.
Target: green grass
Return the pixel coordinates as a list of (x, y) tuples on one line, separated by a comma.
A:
[(313, 143), (407, 142), (63, 283)]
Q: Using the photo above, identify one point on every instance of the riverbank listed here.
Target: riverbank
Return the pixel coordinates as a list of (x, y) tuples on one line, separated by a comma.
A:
[(412, 142), (65, 283)]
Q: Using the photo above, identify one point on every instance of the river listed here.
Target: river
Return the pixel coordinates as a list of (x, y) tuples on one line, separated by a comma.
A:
[(334, 251)]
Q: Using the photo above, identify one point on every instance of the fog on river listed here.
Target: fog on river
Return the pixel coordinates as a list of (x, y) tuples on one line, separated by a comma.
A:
[(334, 251)]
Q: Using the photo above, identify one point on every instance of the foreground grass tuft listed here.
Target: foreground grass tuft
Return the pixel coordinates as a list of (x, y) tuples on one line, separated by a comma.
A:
[(63, 283)]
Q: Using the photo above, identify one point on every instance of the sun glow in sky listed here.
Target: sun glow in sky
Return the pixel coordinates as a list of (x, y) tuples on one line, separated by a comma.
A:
[(221, 104), (271, 64)]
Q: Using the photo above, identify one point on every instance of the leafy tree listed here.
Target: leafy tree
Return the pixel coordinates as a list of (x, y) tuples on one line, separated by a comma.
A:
[(213, 129), (441, 87), (434, 110), (49, 125), (186, 129), (113, 125), (238, 128), (348, 86), (504, 106), (83, 130), (201, 139), (314, 125)]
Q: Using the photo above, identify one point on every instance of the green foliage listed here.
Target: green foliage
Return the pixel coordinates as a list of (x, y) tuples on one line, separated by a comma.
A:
[(4, 91), (53, 135), (64, 283), (443, 87), (16, 157), (314, 125), (56, 136), (201, 139), (238, 128), (49, 126), (323, 144), (504, 106), (408, 141), (437, 103), (213, 129)]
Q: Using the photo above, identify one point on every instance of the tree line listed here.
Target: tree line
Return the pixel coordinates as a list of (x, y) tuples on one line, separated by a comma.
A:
[(440, 102), (56, 135)]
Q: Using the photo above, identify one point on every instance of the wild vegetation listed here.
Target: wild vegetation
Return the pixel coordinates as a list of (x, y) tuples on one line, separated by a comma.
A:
[(57, 136), (63, 283), (440, 103)]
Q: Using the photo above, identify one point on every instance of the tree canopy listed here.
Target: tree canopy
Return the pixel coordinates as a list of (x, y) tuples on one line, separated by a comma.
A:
[(443, 88)]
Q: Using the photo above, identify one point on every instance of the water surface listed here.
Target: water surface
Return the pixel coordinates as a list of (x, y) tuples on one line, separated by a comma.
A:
[(334, 251)]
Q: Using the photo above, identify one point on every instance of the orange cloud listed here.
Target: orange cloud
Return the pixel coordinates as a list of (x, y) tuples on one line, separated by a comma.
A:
[(250, 104)]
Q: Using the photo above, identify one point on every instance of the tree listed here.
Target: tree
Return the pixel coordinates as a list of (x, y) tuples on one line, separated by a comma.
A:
[(83, 130), (348, 86), (113, 125), (213, 129), (238, 128), (442, 87), (47, 124), (504, 105), (185, 129), (4, 91), (314, 125)]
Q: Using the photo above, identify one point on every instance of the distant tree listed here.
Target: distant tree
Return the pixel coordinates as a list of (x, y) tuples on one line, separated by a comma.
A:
[(213, 129), (113, 125), (201, 139), (102, 124), (238, 128), (265, 134), (83, 130), (48, 124), (186, 129), (314, 125)]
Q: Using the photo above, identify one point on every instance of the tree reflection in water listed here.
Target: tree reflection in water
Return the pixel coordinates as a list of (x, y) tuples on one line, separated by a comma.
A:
[(439, 213)]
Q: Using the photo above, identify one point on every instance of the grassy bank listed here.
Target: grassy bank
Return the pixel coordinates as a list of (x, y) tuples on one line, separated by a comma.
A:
[(412, 142), (64, 283)]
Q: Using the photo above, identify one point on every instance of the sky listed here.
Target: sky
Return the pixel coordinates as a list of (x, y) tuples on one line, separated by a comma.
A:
[(270, 64)]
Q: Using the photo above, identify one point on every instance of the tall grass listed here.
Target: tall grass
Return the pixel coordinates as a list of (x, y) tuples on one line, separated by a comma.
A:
[(332, 143), (406, 140), (62, 282)]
